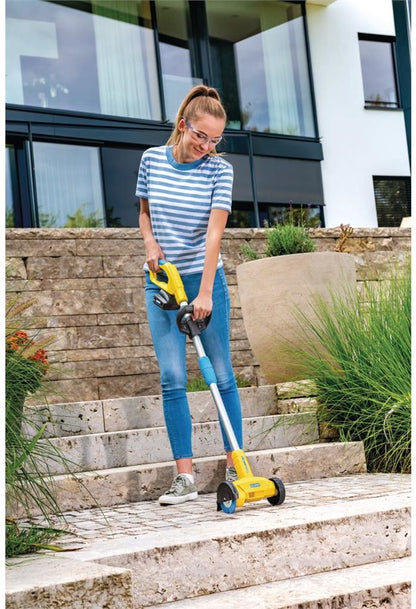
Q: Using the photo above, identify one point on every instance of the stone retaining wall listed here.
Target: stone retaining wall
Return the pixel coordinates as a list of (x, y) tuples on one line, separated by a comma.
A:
[(88, 285)]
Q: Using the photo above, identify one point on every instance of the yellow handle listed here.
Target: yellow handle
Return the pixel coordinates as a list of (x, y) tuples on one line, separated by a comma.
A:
[(174, 283)]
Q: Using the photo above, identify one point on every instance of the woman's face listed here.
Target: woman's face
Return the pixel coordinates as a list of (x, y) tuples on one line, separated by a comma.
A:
[(199, 136)]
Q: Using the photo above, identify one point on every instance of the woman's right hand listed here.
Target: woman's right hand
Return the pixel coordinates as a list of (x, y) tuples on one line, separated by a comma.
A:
[(154, 253)]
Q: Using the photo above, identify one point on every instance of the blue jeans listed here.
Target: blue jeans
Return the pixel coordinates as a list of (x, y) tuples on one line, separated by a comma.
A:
[(169, 346)]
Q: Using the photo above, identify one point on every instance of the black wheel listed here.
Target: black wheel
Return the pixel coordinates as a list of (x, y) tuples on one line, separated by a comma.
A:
[(227, 497), (281, 492)]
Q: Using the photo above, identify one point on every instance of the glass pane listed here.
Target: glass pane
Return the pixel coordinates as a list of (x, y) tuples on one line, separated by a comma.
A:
[(261, 93), (9, 190), (68, 186), (299, 215), (175, 56), (120, 176), (100, 61), (378, 73), (392, 200)]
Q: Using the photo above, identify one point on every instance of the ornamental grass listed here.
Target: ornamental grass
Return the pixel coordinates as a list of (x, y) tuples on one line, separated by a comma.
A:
[(364, 380)]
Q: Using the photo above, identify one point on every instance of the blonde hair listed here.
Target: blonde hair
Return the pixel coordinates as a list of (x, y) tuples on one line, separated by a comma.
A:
[(200, 100)]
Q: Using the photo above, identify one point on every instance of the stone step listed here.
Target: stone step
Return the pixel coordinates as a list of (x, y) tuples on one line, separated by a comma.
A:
[(110, 487), (110, 450), (42, 582), (376, 586), (183, 552), (140, 412)]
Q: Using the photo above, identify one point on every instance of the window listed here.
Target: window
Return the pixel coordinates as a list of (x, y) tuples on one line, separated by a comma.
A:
[(378, 71), (99, 60), (138, 58), (68, 185), (392, 195), (259, 60), (125, 65), (242, 215), (175, 55)]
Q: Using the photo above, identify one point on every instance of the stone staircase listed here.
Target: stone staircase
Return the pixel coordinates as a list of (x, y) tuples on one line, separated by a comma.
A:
[(119, 451), (340, 540)]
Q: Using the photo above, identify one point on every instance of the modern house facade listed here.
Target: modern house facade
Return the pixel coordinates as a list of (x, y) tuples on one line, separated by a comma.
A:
[(317, 94)]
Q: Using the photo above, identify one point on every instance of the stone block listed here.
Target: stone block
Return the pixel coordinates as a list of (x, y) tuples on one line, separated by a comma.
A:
[(42, 582), (66, 390), (124, 266), (103, 368), (25, 248), (109, 247), (133, 413), (64, 267), (78, 302), (68, 419), (126, 386), (15, 269), (109, 353), (65, 321), (99, 337), (295, 389), (292, 405)]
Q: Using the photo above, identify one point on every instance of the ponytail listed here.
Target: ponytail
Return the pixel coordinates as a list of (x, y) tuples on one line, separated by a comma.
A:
[(200, 100)]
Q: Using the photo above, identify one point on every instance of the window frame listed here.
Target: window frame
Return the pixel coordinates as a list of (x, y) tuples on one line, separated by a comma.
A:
[(372, 105)]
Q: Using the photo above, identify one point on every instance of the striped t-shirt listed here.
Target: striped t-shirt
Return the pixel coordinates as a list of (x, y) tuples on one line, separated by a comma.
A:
[(181, 196)]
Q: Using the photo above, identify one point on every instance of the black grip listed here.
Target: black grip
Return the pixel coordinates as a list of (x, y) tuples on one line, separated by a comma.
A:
[(187, 325)]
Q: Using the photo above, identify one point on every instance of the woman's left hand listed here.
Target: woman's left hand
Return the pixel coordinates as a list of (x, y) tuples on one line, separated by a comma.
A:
[(202, 306)]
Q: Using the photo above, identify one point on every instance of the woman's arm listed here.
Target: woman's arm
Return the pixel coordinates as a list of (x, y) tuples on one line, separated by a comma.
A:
[(216, 224), (154, 252)]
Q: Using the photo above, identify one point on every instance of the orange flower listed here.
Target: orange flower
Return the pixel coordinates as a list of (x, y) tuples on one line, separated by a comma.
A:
[(20, 340)]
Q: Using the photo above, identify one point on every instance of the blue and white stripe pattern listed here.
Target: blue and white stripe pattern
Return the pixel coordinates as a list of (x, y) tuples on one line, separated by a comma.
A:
[(181, 196)]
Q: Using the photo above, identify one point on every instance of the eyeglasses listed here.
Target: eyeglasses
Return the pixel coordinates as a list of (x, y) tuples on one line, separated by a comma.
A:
[(202, 137)]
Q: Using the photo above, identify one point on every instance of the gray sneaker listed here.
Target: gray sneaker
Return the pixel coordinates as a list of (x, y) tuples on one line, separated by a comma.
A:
[(181, 490), (231, 473)]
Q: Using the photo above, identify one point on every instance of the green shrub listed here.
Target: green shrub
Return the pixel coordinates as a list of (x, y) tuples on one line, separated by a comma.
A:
[(281, 240), (288, 239), (364, 380)]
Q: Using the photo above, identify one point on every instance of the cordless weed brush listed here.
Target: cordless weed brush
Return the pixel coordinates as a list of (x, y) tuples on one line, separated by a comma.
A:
[(247, 487)]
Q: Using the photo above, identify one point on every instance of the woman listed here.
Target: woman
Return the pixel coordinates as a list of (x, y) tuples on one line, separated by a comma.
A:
[(185, 191)]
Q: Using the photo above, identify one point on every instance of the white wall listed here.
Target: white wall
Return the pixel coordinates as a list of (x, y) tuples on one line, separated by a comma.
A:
[(357, 143)]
